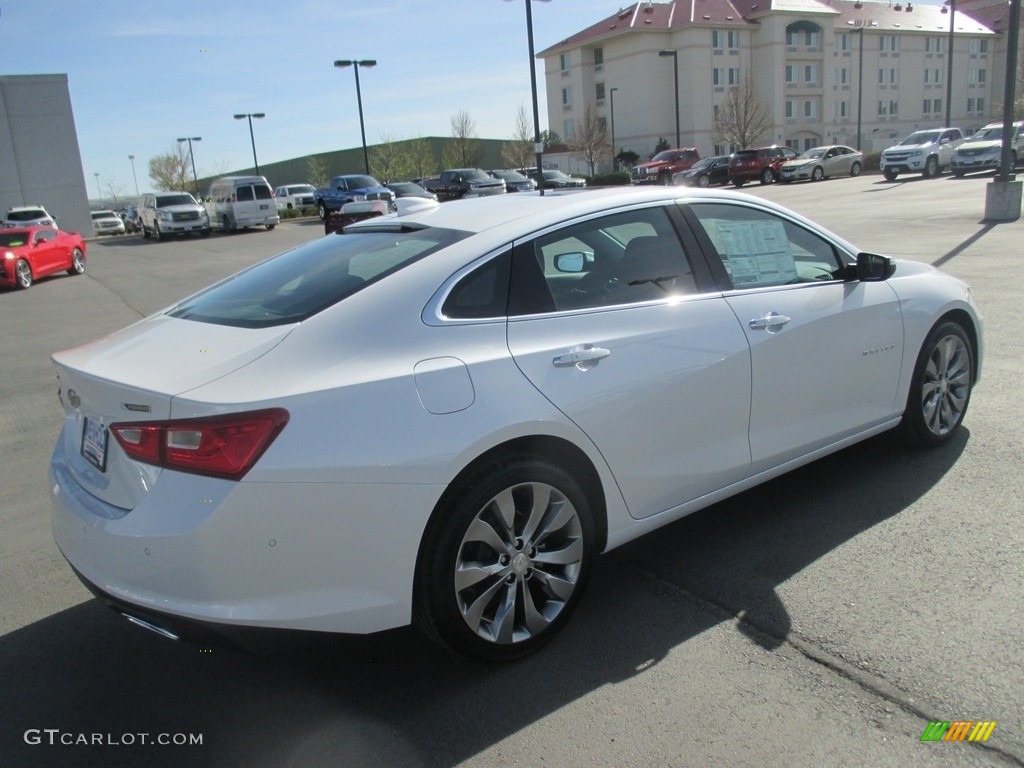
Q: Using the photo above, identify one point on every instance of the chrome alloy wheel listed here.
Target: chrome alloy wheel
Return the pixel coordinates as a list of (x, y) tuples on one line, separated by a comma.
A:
[(945, 386), (519, 562)]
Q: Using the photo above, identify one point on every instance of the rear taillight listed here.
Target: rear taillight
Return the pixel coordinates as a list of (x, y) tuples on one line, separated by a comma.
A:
[(219, 446)]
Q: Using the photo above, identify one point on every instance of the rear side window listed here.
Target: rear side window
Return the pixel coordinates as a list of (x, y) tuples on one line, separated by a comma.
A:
[(263, 192), (306, 280), (243, 194)]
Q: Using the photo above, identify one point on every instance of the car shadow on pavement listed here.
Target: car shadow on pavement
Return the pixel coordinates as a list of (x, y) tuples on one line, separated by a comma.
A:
[(393, 698)]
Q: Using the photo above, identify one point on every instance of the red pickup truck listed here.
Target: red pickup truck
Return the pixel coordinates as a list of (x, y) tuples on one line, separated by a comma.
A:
[(659, 169)]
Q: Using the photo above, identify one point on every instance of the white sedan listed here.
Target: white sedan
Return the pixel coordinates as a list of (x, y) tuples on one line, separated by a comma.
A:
[(443, 415), (819, 163)]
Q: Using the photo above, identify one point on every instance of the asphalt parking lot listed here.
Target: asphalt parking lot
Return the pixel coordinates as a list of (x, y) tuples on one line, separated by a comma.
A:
[(821, 619)]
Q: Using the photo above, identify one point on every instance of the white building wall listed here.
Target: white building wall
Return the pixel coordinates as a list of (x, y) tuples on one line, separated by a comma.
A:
[(40, 162)]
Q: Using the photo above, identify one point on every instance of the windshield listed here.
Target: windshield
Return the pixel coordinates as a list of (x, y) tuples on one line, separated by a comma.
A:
[(301, 189), (11, 239), (184, 199), (815, 153), (921, 137), (356, 182), (509, 175), (703, 163), (306, 280), (554, 175), (475, 174), (103, 215), (667, 156), (989, 134)]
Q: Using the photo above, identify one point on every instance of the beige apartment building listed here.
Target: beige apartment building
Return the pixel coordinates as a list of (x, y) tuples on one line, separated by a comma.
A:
[(822, 67)]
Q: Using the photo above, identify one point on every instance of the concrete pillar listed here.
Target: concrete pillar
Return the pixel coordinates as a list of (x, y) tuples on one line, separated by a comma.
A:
[(1003, 200)]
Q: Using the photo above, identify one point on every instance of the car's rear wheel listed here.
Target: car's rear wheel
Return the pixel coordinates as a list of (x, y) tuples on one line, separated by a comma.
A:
[(505, 560), (767, 176), (270, 226), (940, 388), (703, 180), (818, 173), (23, 274), (77, 262), (855, 169)]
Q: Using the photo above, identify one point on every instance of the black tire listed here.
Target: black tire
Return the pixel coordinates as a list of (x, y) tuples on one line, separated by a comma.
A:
[(270, 226), (665, 179), (855, 169), (940, 389), (321, 211), (156, 231), (474, 562), (77, 262), (145, 232), (767, 176), (23, 274), (931, 168), (890, 175), (818, 173), (225, 224), (204, 233), (738, 182), (703, 180)]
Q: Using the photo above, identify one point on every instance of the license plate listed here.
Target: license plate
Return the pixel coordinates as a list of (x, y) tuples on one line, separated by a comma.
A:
[(94, 443), (264, 206)]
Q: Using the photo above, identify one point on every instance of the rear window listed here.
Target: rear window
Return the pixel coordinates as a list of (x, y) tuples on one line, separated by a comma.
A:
[(263, 192), (307, 280), (164, 200), (35, 213)]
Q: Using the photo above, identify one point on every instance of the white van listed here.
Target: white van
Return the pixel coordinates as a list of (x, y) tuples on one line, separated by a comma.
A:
[(235, 202)]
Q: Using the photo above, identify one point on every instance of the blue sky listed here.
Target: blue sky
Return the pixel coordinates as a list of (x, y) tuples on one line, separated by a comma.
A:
[(143, 73)]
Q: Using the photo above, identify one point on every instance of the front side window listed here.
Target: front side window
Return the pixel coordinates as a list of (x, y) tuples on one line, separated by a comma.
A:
[(621, 258), (306, 280), (759, 249)]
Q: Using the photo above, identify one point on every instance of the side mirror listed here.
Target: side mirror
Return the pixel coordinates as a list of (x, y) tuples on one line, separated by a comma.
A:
[(573, 261), (873, 268)]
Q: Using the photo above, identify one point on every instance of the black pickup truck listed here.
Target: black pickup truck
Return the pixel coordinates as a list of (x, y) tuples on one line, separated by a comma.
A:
[(458, 183)]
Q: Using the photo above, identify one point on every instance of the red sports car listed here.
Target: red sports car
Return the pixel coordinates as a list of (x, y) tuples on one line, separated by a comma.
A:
[(29, 253)]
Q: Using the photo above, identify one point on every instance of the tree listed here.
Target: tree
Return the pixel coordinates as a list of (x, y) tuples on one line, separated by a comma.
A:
[(171, 170), (388, 159), (422, 160), (116, 192), (550, 139), (316, 172), (518, 153), (627, 158), (589, 141), (464, 149), (743, 118), (661, 146)]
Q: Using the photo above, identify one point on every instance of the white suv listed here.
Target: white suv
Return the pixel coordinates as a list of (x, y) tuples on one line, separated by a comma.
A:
[(984, 149), (172, 213), (926, 152), (28, 216)]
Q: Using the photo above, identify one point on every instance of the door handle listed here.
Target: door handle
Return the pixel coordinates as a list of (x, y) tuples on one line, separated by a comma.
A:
[(770, 322), (583, 356)]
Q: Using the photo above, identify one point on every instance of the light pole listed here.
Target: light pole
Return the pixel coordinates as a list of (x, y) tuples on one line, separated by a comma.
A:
[(611, 93), (190, 139), (99, 192), (342, 63), (252, 137), (675, 59), (949, 62), (538, 145), (136, 178), (860, 84)]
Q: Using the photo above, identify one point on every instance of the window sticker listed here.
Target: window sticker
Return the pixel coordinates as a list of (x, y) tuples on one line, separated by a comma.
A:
[(757, 253)]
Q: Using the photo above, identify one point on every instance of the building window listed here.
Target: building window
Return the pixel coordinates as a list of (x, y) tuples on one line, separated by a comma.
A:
[(934, 45), (599, 91), (811, 39), (842, 42), (881, 77), (568, 129), (842, 76), (567, 96), (882, 107), (811, 74), (734, 75), (716, 39), (842, 110), (927, 108), (733, 39), (976, 77), (790, 74), (894, 108), (938, 104), (977, 45), (793, 144), (563, 62), (927, 77), (894, 77), (810, 109), (598, 57), (792, 38), (809, 144), (790, 111), (602, 125), (718, 77)]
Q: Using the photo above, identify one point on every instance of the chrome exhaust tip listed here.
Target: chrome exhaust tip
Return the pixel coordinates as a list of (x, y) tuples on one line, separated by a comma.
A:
[(151, 627)]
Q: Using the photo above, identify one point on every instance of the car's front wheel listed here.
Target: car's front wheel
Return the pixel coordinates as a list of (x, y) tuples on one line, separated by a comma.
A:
[(817, 174), (77, 262), (505, 560), (931, 168), (23, 274), (890, 175), (767, 176), (940, 388), (703, 180)]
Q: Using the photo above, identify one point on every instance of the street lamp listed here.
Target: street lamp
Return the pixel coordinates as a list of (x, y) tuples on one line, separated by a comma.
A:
[(611, 92), (252, 138), (675, 59), (342, 63), (538, 145), (949, 62), (136, 178), (190, 139), (99, 192), (860, 85)]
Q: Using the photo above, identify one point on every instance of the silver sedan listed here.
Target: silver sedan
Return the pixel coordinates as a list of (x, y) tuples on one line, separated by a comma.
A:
[(823, 162)]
